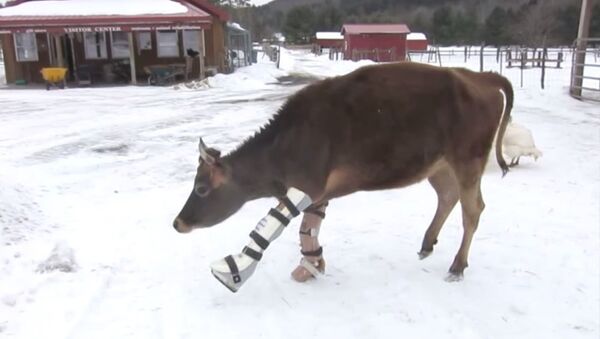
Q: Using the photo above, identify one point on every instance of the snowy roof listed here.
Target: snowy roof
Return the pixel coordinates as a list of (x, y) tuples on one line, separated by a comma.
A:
[(67, 16), (94, 7), (329, 36), (416, 36), (236, 26), (375, 28)]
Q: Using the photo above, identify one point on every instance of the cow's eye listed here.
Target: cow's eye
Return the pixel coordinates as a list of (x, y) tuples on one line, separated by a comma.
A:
[(202, 190)]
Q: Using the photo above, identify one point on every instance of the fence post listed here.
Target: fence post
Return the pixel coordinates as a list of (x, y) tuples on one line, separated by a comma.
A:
[(523, 56), (481, 57), (544, 55), (465, 54), (501, 61), (581, 46)]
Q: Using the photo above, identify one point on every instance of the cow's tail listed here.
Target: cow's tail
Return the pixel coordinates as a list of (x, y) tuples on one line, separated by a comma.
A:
[(507, 93)]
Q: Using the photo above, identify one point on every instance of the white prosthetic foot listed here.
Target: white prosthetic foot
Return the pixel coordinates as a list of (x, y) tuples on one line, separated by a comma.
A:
[(234, 270)]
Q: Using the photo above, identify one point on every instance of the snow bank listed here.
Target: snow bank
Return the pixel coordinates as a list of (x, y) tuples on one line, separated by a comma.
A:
[(20, 213), (94, 7), (62, 259), (261, 75), (302, 62)]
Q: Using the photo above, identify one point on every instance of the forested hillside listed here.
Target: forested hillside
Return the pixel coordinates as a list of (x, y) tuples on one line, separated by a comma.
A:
[(496, 22)]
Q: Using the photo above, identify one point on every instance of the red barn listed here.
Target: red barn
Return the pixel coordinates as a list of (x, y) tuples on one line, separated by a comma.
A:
[(416, 42), (377, 42)]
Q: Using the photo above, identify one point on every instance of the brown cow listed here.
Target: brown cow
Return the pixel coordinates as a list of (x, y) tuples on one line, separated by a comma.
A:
[(379, 127)]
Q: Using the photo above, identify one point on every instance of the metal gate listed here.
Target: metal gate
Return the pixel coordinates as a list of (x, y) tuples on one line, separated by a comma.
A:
[(586, 86)]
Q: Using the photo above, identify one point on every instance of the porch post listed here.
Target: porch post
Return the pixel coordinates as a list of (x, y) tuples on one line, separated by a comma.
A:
[(50, 54), (59, 51), (73, 56), (132, 59), (201, 55)]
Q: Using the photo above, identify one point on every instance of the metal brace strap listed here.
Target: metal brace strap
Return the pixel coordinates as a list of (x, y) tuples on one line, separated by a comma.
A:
[(235, 273), (280, 217), (310, 267), (259, 240), (316, 253), (290, 206), (252, 253), (311, 232)]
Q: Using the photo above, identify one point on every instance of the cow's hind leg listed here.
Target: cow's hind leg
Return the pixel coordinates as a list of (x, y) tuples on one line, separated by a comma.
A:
[(312, 263), (471, 200), (445, 185)]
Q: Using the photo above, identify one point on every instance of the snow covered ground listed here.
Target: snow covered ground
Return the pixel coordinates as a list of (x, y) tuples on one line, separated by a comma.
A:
[(90, 180)]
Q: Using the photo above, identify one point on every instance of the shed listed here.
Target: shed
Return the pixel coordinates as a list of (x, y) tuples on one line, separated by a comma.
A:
[(377, 42), (239, 43), (416, 42), (110, 40)]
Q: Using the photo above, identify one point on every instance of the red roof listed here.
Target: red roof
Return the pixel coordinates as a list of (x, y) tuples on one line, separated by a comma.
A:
[(375, 29), (199, 13)]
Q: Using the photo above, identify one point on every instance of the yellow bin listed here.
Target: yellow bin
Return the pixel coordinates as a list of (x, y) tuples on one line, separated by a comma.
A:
[(54, 75)]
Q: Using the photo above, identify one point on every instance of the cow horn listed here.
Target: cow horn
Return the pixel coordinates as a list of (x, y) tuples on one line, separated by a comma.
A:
[(204, 155)]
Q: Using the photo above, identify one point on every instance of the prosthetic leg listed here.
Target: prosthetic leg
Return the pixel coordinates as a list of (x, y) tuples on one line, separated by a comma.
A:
[(312, 264), (234, 270)]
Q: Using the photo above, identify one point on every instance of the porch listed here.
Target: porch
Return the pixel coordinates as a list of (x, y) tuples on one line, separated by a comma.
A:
[(114, 56)]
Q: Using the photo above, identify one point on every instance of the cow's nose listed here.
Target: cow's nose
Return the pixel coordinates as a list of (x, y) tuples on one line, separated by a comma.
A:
[(181, 226)]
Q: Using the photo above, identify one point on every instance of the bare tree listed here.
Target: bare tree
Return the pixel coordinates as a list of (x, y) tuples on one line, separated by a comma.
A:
[(537, 22)]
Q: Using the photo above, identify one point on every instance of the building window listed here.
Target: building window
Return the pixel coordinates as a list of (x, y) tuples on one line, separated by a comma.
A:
[(26, 47), (191, 40), (167, 44), (144, 40), (119, 45), (95, 45)]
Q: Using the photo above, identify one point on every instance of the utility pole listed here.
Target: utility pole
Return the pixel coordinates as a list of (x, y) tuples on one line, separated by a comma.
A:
[(581, 46)]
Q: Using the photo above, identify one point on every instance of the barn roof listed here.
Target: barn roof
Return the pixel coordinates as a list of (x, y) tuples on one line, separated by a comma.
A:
[(55, 15), (416, 36), (329, 36), (375, 29)]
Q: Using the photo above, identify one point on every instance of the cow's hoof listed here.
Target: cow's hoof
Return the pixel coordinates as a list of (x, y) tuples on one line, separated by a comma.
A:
[(424, 254), (454, 277), (301, 274), (308, 270)]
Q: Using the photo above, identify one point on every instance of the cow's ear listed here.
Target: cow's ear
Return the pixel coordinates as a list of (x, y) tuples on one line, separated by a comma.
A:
[(215, 153), (217, 175)]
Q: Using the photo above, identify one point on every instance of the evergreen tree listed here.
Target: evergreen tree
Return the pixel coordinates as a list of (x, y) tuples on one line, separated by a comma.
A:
[(443, 25), (494, 31), (299, 25), (329, 18), (466, 29), (595, 22), (568, 21)]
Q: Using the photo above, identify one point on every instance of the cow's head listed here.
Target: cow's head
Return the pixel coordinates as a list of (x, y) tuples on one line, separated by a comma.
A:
[(215, 195)]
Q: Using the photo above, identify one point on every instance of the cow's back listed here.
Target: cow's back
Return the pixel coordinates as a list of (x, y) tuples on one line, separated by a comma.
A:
[(384, 120)]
